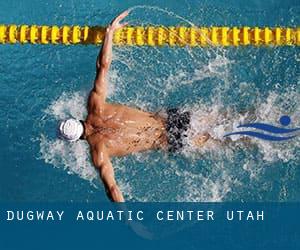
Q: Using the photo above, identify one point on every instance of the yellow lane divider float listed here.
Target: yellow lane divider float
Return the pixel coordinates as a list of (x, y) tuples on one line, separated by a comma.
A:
[(152, 36)]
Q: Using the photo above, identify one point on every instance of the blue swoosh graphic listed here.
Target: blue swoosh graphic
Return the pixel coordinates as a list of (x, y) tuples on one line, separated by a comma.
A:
[(269, 128), (261, 136)]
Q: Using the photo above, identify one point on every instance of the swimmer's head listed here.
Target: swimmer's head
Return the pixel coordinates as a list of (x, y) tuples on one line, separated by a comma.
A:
[(70, 130)]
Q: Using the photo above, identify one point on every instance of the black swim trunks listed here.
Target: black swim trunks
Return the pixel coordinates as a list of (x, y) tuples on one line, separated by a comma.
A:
[(177, 125)]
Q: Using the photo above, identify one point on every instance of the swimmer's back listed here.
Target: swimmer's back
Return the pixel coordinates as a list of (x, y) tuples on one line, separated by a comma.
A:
[(126, 130)]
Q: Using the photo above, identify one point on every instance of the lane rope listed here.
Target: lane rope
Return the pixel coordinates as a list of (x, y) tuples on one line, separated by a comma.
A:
[(152, 35)]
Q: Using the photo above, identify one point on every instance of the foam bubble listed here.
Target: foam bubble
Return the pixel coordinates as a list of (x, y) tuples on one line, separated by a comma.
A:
[(68, 105), (72, 157)]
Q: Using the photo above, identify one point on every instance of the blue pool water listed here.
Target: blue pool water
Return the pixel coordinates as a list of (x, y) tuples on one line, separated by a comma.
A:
[(42, 84)]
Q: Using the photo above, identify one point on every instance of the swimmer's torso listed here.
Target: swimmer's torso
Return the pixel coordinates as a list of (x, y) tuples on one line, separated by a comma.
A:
[(124, 130)]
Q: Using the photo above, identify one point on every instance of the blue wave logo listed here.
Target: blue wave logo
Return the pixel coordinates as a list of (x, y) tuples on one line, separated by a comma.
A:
[(279, 133)]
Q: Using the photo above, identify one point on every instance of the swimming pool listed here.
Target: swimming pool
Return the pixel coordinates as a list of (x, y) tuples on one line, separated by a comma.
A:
[(42, 84)]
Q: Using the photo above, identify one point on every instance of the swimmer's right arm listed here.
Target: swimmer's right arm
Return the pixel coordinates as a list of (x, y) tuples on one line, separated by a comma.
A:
[(103, 164), (105, 56)]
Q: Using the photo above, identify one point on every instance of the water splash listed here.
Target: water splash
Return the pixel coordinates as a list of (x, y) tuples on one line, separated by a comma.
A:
[(192, 185), (74, 158), (214, 84)]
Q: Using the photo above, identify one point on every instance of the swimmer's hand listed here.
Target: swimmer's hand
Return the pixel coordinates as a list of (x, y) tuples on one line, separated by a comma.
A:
[(115, 24)]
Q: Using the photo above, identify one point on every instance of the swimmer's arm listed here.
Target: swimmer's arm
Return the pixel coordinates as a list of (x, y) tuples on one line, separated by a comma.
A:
[(103, 164), (105, 56)]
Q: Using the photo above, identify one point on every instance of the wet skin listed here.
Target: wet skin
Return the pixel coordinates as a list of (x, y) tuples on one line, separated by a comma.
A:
[(123, 130)]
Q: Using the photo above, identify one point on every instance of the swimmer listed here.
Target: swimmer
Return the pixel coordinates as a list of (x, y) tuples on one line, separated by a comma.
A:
[(114, 130)]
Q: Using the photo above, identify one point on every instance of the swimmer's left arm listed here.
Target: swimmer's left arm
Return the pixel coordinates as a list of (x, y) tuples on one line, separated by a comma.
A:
[(105, 56)]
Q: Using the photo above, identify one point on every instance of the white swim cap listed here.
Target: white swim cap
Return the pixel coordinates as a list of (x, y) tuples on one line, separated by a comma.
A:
[(70, 130)]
